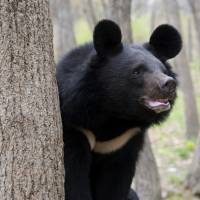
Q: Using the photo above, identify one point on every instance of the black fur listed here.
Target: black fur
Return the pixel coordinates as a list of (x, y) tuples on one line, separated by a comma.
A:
[(166, 41), (132, 195), (107, 38), (102, 88)]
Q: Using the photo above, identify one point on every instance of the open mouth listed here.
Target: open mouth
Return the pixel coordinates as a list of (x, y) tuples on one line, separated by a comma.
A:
[(157, 105)]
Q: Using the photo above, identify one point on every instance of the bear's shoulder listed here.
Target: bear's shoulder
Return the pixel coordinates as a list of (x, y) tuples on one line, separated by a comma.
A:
[(73, 66)]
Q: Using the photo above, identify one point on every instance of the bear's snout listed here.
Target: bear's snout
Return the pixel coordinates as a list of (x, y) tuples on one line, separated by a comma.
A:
[(168, 84), (160, 86)]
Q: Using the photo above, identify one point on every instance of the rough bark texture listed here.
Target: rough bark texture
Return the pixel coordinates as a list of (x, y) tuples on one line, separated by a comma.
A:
[(147, 179), (185, 78), (120, 11), (31, 158), (64, 38)]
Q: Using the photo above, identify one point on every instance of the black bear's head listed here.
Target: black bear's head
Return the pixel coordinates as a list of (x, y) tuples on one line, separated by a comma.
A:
[(136, 80)]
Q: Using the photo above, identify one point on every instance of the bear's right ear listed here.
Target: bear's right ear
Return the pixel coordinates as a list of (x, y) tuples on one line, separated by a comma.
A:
[(107, 38)]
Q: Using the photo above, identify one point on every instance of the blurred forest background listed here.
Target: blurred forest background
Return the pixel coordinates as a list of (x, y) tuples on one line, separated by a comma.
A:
[(169, 168)]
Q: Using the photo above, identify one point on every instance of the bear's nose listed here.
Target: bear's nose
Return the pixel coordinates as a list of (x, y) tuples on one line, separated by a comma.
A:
[(168, 84)]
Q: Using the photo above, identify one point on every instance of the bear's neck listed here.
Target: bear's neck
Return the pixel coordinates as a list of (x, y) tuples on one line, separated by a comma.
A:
[(104, 125), (87, 113), (108, 127)]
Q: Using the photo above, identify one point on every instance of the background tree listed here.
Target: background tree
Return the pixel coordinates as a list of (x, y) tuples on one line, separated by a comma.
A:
[(31, 161), (147, 179), (195, 8), (190, 41), (63, 20), (120, 12), (92, 14), (190, 105)]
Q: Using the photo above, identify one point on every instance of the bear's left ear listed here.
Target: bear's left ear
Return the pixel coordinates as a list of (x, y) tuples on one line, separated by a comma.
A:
[(107, 38), (165, 41)]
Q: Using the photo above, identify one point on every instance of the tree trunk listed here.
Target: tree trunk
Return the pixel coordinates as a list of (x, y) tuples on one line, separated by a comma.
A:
[(193, 177), (105, 6), (90, 12), (195, 8), (190, 41), (64, 38), (120, 12), (147, 178), (31, 150), (153, 17), (190, 106)]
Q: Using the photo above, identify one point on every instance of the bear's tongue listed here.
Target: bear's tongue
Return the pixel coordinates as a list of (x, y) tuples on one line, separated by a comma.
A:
[(158, 105)]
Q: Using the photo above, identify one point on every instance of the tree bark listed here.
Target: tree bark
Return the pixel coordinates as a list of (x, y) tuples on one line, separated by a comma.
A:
[(190, 46), (195, 8), (31, 150), (90, 12), (105, 6), (153, 17), (120, 12), (190, 105), (63, 20), (147, 179)]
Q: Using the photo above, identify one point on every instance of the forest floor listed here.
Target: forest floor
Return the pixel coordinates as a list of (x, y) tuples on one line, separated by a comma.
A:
[(173, 155)]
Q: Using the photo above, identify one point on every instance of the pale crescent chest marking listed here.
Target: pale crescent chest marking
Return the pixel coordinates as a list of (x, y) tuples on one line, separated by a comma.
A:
[(105, 147)]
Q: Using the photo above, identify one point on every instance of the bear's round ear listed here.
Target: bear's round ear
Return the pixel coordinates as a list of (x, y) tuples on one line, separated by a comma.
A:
[(107, 37), (166, 41)]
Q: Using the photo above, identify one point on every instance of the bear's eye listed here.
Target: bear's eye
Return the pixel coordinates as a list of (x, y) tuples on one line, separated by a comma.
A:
[(137, 71)]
